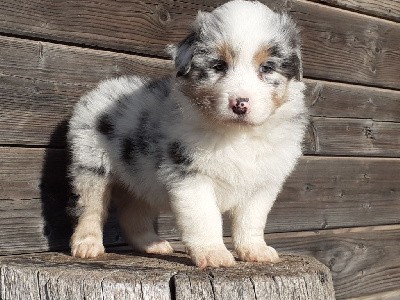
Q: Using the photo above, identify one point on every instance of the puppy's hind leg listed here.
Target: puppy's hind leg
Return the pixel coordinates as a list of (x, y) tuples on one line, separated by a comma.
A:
[(94, 192), (137, 221)]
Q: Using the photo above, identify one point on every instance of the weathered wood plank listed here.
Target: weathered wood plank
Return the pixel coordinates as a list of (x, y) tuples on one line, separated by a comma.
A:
[(332, 136), (337, 100), (69, 65), (357, 49), (40, 83), (57, 276), (391, 295), (36, 99), (386, 9), (322, 193)]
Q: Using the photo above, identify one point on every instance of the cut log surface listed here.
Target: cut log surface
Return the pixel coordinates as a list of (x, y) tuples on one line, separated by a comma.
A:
[(127, 276)]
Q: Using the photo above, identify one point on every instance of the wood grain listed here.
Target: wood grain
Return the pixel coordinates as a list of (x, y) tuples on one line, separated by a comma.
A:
[(390, 295), (338, 100), (40, 83), (357, 49), (363, 261), (322, 193), (37, 99), (366, 137), (386, 9), (57, 276)]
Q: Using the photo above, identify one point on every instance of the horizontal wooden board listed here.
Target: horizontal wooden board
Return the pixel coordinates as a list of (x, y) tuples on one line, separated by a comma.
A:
[(322, 193), (68, 65), (389, 295), (357, 49), (42, 81), (335, 136), (337, 100), (386, 9), (348, 46)]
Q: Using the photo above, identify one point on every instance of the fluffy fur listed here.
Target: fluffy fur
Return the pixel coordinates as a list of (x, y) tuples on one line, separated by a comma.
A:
[(219, 137)]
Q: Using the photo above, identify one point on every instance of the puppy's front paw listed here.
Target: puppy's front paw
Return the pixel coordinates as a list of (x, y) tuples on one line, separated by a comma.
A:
[(213, 256), (259, 252), (158, 247), (87, 247)]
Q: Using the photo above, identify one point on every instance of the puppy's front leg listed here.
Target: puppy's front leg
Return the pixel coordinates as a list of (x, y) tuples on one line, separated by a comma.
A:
[(248, 222), (194, 204)]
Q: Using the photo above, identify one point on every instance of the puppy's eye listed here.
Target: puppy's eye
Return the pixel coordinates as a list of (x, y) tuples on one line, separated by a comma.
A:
[(266, 68), (220, 66)]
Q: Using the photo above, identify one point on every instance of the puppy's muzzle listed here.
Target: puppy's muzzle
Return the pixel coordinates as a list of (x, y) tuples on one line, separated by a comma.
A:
[(239, 105)]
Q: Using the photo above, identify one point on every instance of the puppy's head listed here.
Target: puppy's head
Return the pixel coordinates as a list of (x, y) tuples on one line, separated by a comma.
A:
[(237, 63)]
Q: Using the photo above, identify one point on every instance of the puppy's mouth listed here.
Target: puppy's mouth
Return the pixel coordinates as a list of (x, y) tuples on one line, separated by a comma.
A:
[(237, 111), (243, 119)]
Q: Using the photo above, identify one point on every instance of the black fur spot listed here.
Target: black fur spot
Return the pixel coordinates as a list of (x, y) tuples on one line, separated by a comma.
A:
[(158, 157), (268, 67), (275, 51), (101, 171), (142, 135), (178, 154), (203, 75), (127, 149), (105, 125), (142, 141), (291, 67), (160, 87)]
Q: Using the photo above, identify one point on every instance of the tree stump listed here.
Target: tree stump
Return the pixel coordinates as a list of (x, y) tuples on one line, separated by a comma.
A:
[(129, 276)]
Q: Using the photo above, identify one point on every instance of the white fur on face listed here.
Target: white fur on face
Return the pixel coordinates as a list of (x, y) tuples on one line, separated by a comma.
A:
[(181, 143)]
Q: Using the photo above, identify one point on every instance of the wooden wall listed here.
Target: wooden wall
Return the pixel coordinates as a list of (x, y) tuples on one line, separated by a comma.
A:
[(342, 203)]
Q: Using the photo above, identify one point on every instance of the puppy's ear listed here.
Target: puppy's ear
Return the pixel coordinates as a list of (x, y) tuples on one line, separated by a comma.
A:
[(182, 54), (292, 63)]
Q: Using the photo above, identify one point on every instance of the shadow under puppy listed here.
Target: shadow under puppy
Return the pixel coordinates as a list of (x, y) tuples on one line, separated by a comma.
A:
[(221, 136)]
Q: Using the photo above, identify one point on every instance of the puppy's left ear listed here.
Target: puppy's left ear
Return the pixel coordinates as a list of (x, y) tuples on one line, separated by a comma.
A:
[(292, 64), (182, 54)]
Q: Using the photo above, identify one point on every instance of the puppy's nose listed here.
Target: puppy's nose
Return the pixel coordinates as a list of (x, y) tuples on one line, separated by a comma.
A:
[(239, 105)]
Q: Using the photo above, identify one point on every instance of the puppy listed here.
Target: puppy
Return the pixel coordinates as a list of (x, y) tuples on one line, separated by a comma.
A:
[(220, 136)]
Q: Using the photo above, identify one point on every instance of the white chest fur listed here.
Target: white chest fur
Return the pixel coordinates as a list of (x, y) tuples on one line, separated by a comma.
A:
[(241, 165)]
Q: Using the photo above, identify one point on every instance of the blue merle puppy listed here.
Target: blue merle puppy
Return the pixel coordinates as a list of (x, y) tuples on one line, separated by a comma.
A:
[(220, 136)]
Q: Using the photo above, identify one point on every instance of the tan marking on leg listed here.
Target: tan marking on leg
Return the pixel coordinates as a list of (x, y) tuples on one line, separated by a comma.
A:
[(137, 221), (94, 197)]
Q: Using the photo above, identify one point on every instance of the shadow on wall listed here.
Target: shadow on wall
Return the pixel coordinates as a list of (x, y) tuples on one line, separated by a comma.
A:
[(58, 199), (56, 191)]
